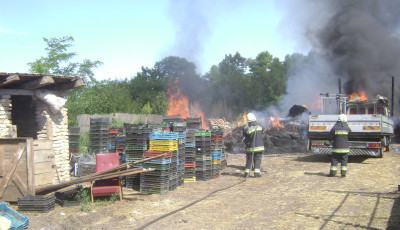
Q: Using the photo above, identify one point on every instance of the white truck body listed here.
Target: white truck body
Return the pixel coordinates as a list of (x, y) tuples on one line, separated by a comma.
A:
[(370, 134)]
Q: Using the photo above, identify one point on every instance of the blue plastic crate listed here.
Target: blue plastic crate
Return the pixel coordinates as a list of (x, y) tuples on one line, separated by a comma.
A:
[(162, 161), (190, 144), (17, 220), (163, 135)]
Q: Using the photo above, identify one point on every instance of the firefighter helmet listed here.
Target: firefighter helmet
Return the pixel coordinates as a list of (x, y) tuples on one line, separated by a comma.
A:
[(251, 117), (343, 117)]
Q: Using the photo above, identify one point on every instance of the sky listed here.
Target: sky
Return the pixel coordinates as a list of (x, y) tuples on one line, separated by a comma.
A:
[(128, 35)]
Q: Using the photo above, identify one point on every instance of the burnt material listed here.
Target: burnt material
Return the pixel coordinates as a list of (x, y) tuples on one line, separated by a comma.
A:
[(291, 138), (297, 110)]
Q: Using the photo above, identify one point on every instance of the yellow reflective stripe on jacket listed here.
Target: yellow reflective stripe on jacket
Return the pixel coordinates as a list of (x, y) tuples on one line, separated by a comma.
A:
[(341, 132), (252, 130), (256, 149), (340, 150)]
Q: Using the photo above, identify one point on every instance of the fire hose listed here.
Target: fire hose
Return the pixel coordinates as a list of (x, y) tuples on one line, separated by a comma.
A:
[(205, 197)]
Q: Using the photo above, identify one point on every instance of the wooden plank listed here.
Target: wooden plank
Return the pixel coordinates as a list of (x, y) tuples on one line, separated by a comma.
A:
[(70, 85), (42, 144), (2, 162), (42, 156), (52, 188), (37, 83), (22, 187), (43, 167), (22, 92), (6, 179), (30, 168), (9, 79), (12, 194), (125, 166), (44, 179)]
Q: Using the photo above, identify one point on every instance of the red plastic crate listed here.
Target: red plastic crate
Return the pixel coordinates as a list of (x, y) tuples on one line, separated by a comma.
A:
[(152, 153), (190, 164)]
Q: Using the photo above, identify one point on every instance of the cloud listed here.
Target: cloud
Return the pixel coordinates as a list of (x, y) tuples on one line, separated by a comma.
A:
[(9, 31)]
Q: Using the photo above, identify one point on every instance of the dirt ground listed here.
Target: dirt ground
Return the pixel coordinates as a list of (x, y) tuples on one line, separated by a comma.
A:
[(294, 192)]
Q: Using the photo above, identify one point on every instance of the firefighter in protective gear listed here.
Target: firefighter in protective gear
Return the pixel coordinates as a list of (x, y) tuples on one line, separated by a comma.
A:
[(339, 135), (253, 140)]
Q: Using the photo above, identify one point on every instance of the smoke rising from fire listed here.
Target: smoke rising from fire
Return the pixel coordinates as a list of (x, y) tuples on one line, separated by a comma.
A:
[(356, 41)]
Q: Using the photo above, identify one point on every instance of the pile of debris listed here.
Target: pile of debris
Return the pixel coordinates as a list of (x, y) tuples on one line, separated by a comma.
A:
[(220, 123), (287, 135), (291, 138)]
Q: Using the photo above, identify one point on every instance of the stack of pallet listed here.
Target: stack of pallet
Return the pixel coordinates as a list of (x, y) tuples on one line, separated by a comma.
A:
[(120, 144), (165, 176), (112, 137), (203, 155), (216, 151), (73, 136), (38, 203), (98, 135), (193, 123), (136, 141), (180, 129), (190, 157), (164, 126)]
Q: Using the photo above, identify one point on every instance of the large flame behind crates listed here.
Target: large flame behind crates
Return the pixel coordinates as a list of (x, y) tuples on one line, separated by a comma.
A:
[(178, 104)]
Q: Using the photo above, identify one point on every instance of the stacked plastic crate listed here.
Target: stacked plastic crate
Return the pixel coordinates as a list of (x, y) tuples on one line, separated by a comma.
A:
[(165, 176), (98, 135), (190, 156), (73, 136), (216, 151), (203, 155), (180, 128), (136, 141), (120, 144), (112, 135), (193, 123)]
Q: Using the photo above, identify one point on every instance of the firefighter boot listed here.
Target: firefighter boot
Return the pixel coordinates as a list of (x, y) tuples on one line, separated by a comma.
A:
[(343, 171), (333, 172), (257, 173), (246, 173)]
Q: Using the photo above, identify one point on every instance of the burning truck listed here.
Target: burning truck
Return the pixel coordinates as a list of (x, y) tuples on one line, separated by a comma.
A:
[(369, 120)]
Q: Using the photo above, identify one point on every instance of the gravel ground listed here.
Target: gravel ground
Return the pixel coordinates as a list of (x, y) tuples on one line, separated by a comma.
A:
[(294, 192)]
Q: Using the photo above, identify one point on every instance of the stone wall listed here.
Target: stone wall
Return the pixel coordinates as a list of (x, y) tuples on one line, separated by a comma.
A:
[(55, 127), (6, 128)]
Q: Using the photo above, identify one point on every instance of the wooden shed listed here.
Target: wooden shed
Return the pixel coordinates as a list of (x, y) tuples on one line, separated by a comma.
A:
[(34, 148)]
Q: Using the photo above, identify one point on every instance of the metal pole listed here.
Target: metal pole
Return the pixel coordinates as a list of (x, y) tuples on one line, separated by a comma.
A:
[(392, 112), (340, 85)]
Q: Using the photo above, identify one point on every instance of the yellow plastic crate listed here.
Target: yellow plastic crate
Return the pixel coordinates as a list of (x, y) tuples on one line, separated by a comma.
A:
[(163, 142), (163, 147), (216, 162), (189, 179)]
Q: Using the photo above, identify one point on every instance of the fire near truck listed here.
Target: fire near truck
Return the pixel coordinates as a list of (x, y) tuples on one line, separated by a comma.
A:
[(369, 121)]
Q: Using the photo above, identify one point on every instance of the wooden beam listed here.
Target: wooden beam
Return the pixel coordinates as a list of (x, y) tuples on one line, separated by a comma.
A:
[(38, 83), (52, 188), (10, 79), (71, 85), (27, 92), (21, 92)]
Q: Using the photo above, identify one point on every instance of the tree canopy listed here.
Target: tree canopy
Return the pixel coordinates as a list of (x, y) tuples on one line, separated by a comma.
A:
[(234, 85)]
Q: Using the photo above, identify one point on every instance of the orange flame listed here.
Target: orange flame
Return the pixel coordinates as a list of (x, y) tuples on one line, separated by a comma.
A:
[(361, 94), (178, 104), (177, 101), (274, 123), (242, 120)]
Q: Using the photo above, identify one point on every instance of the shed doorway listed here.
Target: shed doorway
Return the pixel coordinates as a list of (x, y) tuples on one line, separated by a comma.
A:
[(23, 116)]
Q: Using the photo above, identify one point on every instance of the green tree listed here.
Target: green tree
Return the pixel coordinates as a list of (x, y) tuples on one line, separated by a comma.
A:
[(268, 80)]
